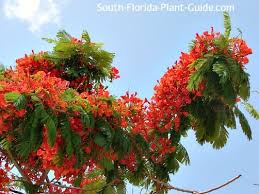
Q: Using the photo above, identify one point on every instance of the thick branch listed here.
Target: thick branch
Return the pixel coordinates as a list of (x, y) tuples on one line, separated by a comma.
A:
[(69, 187), (76, 188), (8, 153), (170, 187)]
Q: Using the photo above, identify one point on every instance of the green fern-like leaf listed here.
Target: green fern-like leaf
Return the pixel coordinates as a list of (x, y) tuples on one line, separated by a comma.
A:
[(244, 89), (85, 119), (66, 135), (86, 37), (107, 164), (52, 131), (4, 143), (63, 35), (20, 102), (221, 139), (202, 66), (182, 155), (109, 190), (227, 24), (244, 123), (12, 96), (69, 95), (222, 71), (252, 111)]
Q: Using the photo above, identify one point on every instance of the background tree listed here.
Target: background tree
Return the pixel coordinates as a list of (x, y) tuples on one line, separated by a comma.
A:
[(65, 133)]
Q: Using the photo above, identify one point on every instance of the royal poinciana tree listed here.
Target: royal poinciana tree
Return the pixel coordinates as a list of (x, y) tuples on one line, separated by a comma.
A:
[(61, 131)]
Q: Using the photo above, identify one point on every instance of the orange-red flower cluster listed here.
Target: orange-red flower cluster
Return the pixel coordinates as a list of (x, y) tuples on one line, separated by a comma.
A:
[(240, 50)]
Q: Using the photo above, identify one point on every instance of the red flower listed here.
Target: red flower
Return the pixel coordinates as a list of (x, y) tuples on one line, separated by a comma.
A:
[(115, 73)]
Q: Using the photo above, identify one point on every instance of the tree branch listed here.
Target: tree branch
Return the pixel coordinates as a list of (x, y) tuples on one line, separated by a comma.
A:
[(14, 191), (43, 176), (223, 185), (170, 187), (48, 181), (9, 154), (76, 188)]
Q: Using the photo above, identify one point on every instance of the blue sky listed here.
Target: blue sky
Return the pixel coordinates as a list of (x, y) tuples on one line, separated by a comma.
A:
[(145, 45)]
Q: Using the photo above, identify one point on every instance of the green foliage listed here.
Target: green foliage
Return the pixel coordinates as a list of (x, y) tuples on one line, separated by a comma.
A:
[(227, 24), (4, 144), (12, 96), (66, 134), (29, 132), (139, 177), (86, 37), (78, 180), (29, 137), (121, 188), (205, 126), (72, 141), (244, 123), (105, 134), (244, 89), (221, 42), (20, 102), (69, 95), (221, 138), (36, 126), (100, 140), (29, 188), (141, 142), (52, 131), (107, 164), (78, 60), (251, 110), (2, 68), (202, 66), (222, 71), (121, 143), (49, 119), (211, 118), (223, 77), (85, 119), (182, 155), (109, 190), (224, 81), (172, 166), (95, 187)]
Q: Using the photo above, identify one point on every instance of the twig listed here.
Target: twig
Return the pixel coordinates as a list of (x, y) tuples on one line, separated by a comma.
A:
[(47, 180), (14, 191), (43, 176), (68, 187), (223, 185), (255, 91), (256, 184), (170, 187)]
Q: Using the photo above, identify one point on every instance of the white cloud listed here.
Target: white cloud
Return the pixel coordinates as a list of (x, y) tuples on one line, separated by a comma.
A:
[(34, 12)]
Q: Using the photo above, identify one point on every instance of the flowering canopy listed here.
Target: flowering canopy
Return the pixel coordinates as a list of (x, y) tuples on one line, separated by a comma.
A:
[(57, 116)]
